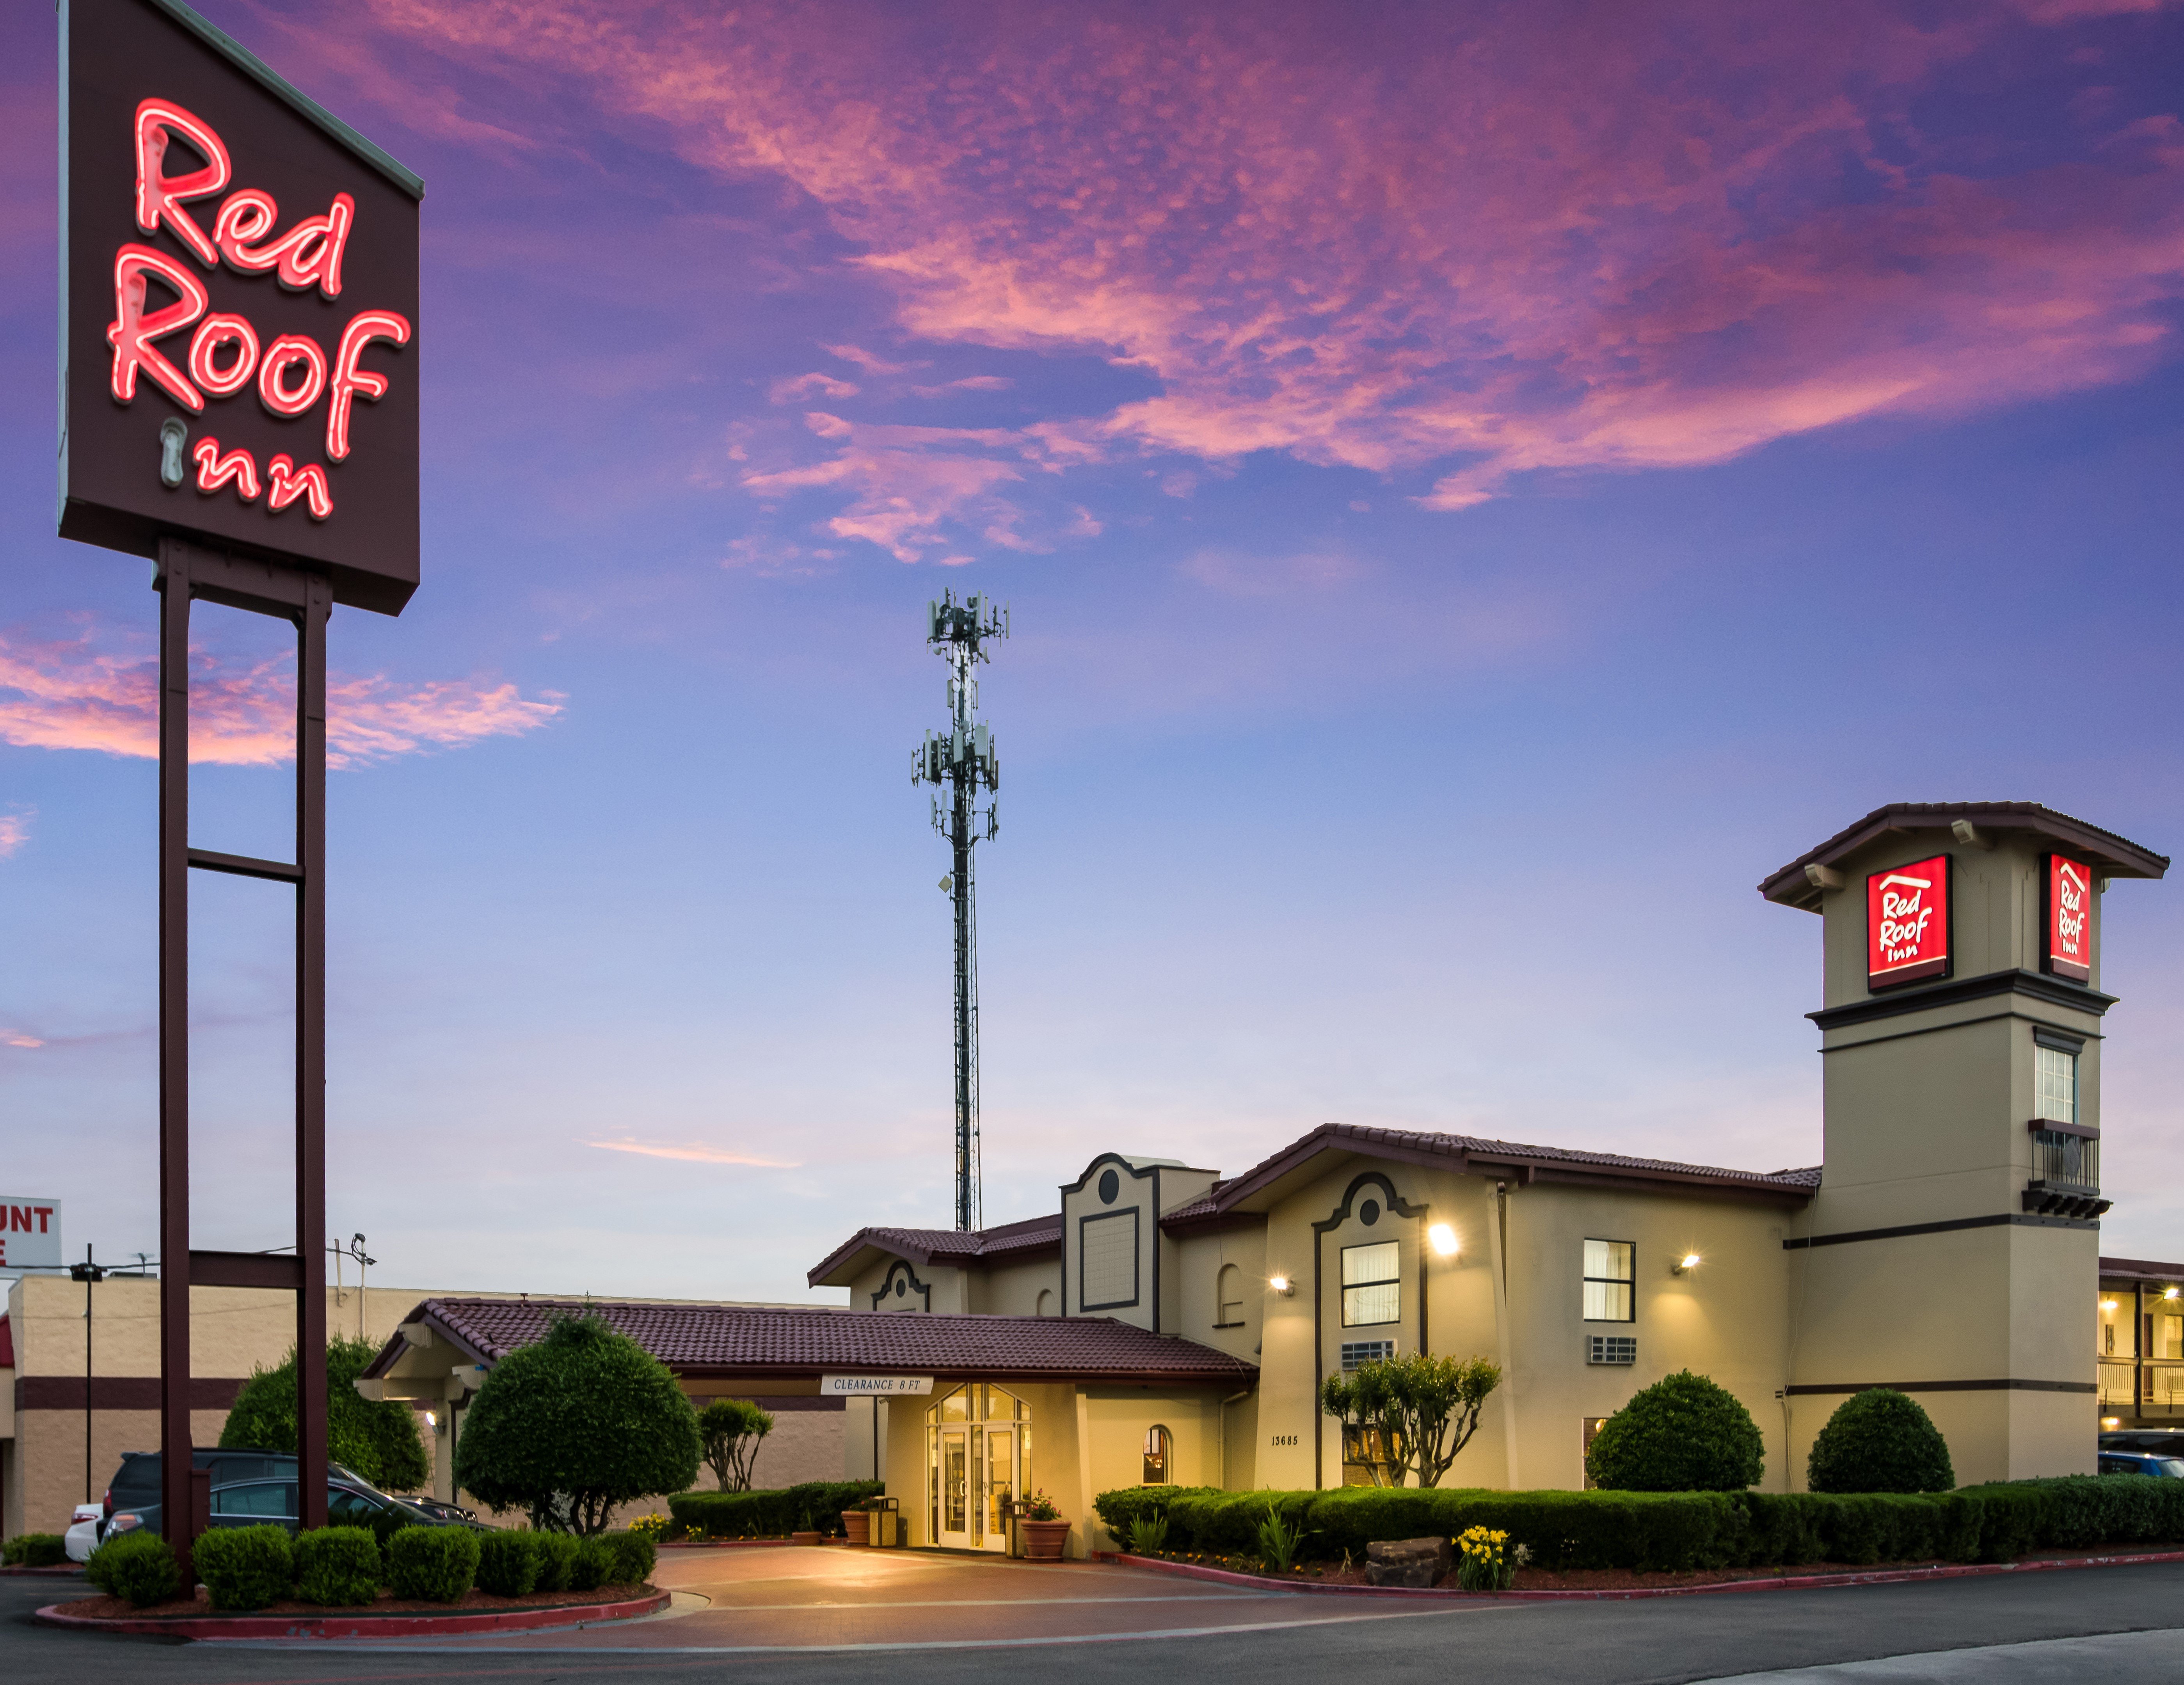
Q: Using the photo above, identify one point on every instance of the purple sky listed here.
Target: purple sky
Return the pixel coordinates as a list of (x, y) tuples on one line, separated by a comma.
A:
[(1477, 488)]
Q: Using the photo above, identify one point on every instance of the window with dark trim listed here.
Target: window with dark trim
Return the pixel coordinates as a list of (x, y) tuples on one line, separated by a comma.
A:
[(1611, 1269), (1372, 1288), (1229, 1297), (1160, 1456)]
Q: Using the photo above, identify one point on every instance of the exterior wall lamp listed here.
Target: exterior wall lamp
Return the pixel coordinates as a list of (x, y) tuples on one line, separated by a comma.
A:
[(1690, 1260), (2109, 1305), (1443, 1240), (2171, 1294), (1281, 1284)]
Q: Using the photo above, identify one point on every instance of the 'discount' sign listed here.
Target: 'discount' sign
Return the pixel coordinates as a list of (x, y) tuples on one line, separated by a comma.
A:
[(239, 338), (29, 1231), (873, 1386)]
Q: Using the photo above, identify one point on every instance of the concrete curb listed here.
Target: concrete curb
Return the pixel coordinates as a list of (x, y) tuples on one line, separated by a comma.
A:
[(55, 1572), (360, 1625), (1786, 1582), (746, 1544)]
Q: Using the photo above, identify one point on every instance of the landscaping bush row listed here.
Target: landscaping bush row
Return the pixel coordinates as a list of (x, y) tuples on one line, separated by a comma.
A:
[(343, 1567), (1648, 1530), (35, 1550), (817, 1505)]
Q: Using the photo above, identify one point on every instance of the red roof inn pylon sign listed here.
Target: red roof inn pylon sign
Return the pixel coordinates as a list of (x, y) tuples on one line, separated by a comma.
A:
[(239, 372)]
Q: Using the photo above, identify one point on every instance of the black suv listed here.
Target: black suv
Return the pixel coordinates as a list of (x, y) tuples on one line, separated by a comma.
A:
[(250, 1488), (2151, 1440)]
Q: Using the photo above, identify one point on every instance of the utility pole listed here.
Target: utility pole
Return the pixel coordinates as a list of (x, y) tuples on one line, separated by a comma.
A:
[(87, 1273), (963, 759)]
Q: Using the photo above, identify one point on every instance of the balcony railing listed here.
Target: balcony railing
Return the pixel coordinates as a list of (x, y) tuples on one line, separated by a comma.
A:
[(2066, 1171)]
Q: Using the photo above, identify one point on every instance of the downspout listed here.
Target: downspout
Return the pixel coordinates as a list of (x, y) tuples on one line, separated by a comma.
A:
[(1498, 1213)]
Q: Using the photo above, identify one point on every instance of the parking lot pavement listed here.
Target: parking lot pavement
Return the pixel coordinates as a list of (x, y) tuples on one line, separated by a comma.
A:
[(817, 1617)]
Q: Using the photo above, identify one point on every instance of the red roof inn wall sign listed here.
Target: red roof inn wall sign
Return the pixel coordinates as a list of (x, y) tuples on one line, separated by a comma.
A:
[(239, 335), (2066, 946), (1906, 923)]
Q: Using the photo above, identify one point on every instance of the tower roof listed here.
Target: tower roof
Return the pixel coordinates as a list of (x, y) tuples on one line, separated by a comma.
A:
[(2116, 857)]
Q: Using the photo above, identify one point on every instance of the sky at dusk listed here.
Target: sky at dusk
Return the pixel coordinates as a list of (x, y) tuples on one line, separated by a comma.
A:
[(1476, 488)]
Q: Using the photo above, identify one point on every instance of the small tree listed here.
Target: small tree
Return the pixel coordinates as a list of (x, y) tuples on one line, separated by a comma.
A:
[(1414, 1413), (571, 1427), (1683, 1433), (729, 1430), (1879, 1441), (376, 1437)]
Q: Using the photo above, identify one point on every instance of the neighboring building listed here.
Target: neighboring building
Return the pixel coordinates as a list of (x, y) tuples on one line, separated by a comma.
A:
[(1167, 1324)]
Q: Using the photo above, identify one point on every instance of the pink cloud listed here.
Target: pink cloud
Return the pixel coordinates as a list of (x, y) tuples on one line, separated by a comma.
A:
[(693, 1152), (14, 832), (869, 363), (68, 694), (809, 386), (969, 383), (16, 1038), (1480, 243)]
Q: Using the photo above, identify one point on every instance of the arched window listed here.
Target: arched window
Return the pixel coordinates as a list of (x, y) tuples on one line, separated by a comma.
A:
[(1229, 1297), (1160, 1456), (1046, 1302)]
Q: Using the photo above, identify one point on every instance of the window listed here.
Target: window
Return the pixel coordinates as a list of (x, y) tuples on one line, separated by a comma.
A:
[(2172, 1337), (1160, 1456), (269, 1498), (2055, 1085), (1229, 1297), (1356, 1353), (1370, 1291), (1610, 1268), (1107, 1261)]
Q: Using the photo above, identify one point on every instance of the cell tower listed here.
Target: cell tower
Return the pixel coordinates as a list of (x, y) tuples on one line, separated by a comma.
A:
[(964, 760)]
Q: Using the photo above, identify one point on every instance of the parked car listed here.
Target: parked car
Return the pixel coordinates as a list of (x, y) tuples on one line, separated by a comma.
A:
[(252, 1488), (81, 1538), (446, 1512), (2142, 1463), (2162, 1442)]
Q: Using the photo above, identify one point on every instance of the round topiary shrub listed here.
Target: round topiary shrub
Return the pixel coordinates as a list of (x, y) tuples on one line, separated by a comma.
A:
[(245, 1567), (1879, 1441), (1683, 1433), (432, 1565), (338, 1567), (635, 1556), (508, 1563), (556, 1555), (137, 1566)]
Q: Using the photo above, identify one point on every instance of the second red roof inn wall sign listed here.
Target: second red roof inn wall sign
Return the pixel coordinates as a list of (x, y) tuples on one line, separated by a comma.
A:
[(239, 335)]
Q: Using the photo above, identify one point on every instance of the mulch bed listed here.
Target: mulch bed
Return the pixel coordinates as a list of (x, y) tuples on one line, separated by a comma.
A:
[(474, 1601)]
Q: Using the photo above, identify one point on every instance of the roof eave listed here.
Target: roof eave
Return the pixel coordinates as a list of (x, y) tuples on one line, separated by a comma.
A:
[(2117, 857)]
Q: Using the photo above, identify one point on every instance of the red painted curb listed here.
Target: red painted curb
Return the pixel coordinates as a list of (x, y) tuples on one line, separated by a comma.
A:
[(1787, 1583), (360, 1625), (745, 1544)]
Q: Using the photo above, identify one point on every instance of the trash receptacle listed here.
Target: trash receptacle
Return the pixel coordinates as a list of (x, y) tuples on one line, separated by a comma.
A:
[(886, 1526)]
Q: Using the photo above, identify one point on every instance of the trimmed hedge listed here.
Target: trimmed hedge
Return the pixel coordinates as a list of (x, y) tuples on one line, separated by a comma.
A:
[(556, 1553), (592, 1566), (338, 1567), (137, 1567), (634, 1555), (1879, 1441), (771, 1514), (432, 1565), (245, 1567), (508, 1563), (1649, 1531), (1684, 1433), (35, 1550)]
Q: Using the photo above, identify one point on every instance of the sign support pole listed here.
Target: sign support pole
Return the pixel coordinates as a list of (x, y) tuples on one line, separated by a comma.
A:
[(176, 1462), (311, 1049)]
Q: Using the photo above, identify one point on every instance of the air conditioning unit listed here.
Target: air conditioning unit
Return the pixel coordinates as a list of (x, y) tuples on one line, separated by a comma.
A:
[(1356, 1351), (1611, 1348)]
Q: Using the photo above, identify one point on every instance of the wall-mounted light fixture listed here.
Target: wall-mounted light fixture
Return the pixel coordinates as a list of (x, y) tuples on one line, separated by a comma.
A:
[(2111, 1421), (1690, 1260), (2171, 1294), (2109, 1305), (1442, 1239), (433, 1420), (1281, 1284)]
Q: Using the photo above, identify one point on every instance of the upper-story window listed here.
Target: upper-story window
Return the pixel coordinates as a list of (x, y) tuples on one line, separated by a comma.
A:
[(1229, 1297), (2055, 1084), (1371, 1291), (1611, 1267)]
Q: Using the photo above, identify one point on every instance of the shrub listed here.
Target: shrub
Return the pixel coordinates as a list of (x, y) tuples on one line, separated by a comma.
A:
[(337, 1566), (1148, 1534), (729, 1433), (433, 1565), (137, 1566), (1879, 1441), (376, 1437), (245, 1567), (556, 1555), (508, 1563), (770, 1515), (1418, 1409), (1280, 1540), (592, 1566), (634, 1557), (571, 1428), (35, 1550), (1683, 1433)]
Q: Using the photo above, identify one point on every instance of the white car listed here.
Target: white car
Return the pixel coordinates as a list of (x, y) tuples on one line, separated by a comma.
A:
[(82, 1536)]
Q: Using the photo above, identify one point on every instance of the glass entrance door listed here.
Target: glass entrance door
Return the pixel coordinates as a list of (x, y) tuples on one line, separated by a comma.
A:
[(955, 1516), (1001, 1486)]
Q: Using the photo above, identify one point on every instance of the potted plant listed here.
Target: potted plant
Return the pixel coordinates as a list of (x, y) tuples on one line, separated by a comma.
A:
[(857, 1526), (1044, 1532)]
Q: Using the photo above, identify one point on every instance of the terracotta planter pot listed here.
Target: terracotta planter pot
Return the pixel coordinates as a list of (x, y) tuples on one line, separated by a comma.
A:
[(804, 1538), (1043, 1540), (857, 1526)]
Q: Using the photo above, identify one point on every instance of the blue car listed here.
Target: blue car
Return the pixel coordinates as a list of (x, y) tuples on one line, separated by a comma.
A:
[(2142, 1463)]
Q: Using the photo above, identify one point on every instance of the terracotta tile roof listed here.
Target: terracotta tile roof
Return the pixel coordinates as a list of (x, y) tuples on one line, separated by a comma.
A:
[(2119, 857), (1558, 1162), (1023, 1238), (706, 1339), (2141, 1268)]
